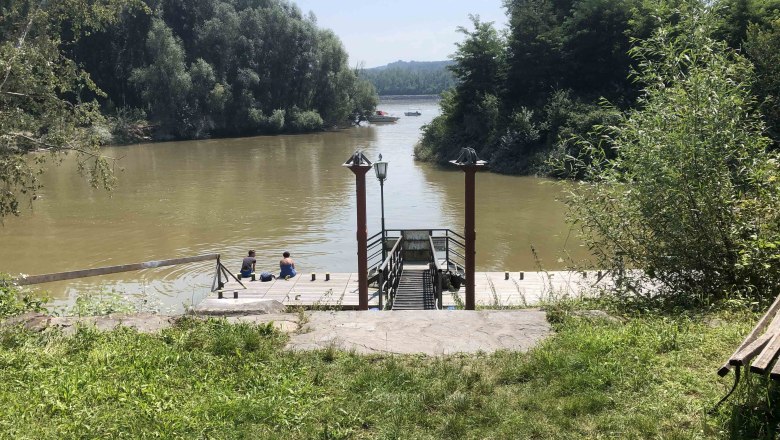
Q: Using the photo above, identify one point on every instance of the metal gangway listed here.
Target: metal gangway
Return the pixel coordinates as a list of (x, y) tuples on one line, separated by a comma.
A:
[(412, 267)]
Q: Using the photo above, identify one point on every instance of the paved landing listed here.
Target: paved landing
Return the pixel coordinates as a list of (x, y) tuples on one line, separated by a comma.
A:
[(425, 332)]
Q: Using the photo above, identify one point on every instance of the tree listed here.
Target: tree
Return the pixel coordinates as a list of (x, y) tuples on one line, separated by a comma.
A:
[(165, 83), (691, 197), (42, 108), (763, 48), (471, 113)]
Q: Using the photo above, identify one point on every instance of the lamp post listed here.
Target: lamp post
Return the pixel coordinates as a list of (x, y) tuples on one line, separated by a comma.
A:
[(380, 168), (359, 164), (469, 163)]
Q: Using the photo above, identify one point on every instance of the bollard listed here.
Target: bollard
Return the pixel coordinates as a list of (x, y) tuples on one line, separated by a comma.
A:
[(314, 277), (219, 294), (235, 294), (327, 277), (506, 275), (522, 275)]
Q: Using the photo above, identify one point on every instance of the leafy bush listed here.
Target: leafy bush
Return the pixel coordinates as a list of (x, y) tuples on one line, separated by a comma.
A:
[(692, 196), (15, 302), (304, 121)]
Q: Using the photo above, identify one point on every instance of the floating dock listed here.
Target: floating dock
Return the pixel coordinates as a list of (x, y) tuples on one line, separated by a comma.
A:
[(340, 290)]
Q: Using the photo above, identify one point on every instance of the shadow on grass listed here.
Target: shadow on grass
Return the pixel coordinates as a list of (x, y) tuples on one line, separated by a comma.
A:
[(755, 410)]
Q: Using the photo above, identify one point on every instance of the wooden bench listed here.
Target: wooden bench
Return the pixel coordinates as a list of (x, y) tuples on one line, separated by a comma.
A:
[(759, 350)]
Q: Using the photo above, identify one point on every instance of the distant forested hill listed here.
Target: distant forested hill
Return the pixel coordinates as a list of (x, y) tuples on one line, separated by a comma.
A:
[(411, 77)]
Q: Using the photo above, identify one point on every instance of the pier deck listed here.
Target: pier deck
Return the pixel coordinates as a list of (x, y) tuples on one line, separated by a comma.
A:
[(341, 291)]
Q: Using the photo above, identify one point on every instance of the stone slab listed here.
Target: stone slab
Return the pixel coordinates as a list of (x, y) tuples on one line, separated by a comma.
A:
[(429, 332), (237, 306)]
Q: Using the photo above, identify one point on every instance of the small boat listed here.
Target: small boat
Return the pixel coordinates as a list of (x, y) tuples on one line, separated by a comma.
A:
[(381, 116), (413, 113)]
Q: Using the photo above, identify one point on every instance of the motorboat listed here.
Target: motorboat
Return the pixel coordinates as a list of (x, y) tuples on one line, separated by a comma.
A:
[(382, 116), (413, 113)]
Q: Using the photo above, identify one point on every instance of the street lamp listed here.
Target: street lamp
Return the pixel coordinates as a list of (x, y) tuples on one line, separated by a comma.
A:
[(380, 168), (469, 163)]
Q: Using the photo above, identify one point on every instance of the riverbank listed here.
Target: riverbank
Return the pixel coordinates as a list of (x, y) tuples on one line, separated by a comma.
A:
[(646, 377)]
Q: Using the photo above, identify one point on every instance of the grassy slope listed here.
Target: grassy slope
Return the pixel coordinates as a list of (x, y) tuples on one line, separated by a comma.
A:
[(648, 378)]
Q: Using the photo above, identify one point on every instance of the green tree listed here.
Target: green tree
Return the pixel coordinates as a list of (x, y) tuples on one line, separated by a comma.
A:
[(763, 48), (165, 83), (691, 197), (471, 113), (44, 111)]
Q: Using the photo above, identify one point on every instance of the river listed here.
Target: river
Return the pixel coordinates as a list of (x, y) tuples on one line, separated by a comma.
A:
[(271, 194)]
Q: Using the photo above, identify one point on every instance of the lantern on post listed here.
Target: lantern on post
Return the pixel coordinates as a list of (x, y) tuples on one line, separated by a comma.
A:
[(380, 169), (359, 164), (470, 164)]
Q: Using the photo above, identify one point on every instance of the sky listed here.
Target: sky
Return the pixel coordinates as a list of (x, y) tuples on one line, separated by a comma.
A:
[(376, 33)]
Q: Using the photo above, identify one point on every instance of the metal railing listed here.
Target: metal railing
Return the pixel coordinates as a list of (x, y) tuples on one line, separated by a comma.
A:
[(435, 275), (389, 273), (447, 254)]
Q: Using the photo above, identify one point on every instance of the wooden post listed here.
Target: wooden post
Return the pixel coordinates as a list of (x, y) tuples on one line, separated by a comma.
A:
[(471, 236), (469, 163), (360, 165)]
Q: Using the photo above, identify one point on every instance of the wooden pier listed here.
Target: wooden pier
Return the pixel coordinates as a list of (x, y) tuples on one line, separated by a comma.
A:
[(492, 290)]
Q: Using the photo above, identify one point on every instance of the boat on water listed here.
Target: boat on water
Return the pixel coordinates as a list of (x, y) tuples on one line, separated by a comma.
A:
[(382, 116), (413, 113)]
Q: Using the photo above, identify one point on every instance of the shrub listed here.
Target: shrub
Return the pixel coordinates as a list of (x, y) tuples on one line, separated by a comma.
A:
[(691, 197), (15, 302), (302, 121)]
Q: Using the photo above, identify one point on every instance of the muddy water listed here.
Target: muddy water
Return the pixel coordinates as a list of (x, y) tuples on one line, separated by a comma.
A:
[(271, 194)]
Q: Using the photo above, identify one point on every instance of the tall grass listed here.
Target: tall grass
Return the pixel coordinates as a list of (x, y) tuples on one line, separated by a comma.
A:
[(648, 377)]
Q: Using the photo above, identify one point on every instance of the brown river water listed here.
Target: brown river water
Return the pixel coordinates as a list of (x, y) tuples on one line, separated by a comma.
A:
[(269, 193)]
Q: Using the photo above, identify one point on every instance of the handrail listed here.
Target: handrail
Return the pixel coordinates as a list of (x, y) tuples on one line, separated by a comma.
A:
[(395, 247), (435, 275), (390, 273), (451, 253), (450, 231)]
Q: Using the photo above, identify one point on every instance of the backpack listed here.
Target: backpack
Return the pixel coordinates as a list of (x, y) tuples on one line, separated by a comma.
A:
[(266, 276)]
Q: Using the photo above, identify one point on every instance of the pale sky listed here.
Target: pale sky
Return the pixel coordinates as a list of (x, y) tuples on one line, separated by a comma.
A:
[(380, 32)]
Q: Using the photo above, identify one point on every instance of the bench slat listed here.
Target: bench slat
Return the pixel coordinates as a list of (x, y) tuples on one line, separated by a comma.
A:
[(767, 355), (757, 331), (746, 354)]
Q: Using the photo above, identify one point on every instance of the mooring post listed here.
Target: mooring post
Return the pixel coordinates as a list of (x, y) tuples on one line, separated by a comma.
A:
[(359, 165), (471, 237), (469, 163)]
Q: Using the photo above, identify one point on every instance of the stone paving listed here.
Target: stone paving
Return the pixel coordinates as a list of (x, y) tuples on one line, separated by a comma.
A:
[(432, 333), (424, 332)]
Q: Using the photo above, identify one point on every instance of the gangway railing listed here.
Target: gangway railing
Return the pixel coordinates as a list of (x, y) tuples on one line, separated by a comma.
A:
[(389, 274), (435, 275), (446, 255)]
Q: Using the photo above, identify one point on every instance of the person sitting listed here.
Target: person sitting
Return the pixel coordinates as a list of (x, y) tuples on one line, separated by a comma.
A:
[(248, 265), (286, 266)]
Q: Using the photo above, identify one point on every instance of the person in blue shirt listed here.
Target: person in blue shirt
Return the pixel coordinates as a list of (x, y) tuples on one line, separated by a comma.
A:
[(286, 266)]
